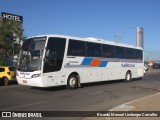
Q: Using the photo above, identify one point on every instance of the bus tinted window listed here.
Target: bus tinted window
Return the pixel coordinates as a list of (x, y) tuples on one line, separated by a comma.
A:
[(76, 48), (107, 51), (93, 49), (139, 54), (130, 54), (54, 54), (119, 52)]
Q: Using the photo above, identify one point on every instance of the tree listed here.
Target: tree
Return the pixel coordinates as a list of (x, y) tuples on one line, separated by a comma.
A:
[(10, 31)]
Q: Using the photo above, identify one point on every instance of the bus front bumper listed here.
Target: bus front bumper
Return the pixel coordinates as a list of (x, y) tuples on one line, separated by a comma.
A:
[(36, 82)]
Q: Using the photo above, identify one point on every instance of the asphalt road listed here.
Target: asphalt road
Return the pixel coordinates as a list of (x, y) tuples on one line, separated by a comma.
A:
[(91, 97)]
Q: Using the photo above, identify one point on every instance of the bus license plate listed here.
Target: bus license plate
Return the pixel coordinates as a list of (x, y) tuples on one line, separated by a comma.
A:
[(24, 81)]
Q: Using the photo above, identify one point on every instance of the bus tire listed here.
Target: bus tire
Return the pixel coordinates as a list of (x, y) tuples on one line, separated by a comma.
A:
[(72, 82), (128, 76)]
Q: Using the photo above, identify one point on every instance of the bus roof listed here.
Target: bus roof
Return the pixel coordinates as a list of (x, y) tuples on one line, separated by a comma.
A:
[(90, 39)]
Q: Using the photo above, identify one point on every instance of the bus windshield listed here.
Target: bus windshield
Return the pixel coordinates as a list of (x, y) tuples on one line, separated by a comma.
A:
[(31, 54)]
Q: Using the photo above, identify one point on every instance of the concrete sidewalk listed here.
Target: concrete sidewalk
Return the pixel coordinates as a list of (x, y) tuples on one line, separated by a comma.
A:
[(148, 103)]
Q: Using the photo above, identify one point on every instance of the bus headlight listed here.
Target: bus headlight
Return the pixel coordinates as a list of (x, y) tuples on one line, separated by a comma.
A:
[(36, 75)]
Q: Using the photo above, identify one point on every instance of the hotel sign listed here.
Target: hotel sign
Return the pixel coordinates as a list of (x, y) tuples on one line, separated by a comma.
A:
[(8, 16)]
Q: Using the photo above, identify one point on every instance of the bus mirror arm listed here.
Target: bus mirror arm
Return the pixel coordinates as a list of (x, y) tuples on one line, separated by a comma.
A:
[(46, 54), (45, 58), (45, 48)]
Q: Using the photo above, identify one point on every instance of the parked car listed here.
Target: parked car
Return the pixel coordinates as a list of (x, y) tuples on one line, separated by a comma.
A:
[(7, 74), (156, 65)]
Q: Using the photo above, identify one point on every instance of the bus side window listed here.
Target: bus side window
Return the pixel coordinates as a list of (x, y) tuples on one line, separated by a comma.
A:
[(73, 52), (107, 51), (50, 58), (130, 53), (104, 54), (89, 53), (97, 53), (54, 54), (93, 49), (139, 54), (76, 48), (119, 52)]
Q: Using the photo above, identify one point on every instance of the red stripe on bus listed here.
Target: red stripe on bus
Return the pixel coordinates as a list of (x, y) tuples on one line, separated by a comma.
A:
[(95, 62)]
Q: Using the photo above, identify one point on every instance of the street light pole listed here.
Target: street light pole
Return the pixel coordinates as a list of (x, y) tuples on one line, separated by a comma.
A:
[(116, 38), (139, 36)]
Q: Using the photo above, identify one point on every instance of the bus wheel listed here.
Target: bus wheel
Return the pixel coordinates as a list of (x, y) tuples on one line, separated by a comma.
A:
[(4, 81), (72, 82), (128, 76)]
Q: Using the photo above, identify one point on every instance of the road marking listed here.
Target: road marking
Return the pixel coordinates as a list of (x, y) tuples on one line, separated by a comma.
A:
[(96, 92), (10, 86), (20, 106), (126, 107), (142, 84)]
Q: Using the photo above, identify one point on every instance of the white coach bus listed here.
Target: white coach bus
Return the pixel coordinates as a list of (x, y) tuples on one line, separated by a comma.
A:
[(53, 60)]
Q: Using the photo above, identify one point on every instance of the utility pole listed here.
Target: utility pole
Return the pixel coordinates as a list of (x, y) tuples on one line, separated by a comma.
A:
[(116, 38)]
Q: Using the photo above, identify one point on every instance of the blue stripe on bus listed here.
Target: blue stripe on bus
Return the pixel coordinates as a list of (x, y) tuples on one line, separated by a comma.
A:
[(103, 64), (86, 61)]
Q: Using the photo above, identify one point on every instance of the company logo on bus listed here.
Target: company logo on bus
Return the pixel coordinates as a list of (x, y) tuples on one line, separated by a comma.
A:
[(24, 73), (127, 65), (25, 81)]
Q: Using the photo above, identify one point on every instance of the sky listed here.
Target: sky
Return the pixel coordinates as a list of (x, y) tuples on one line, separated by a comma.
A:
[(91, 18)]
